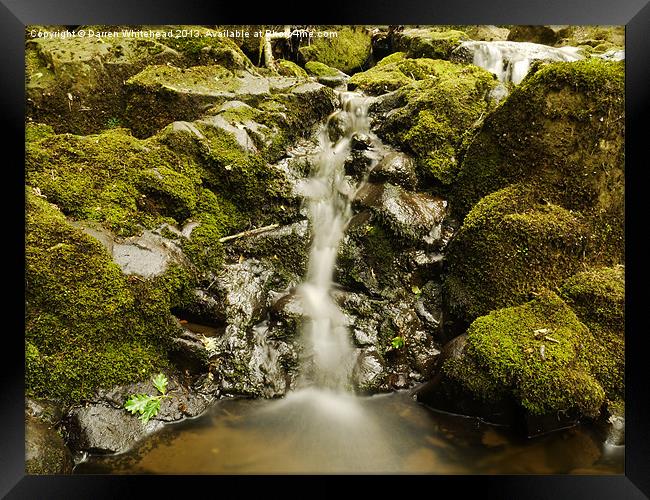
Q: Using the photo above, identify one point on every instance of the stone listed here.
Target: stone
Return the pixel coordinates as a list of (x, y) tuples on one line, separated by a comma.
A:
[(45, 451)]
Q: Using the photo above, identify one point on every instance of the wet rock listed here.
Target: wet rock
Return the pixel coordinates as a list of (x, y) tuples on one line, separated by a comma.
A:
[(417, 216), (287, 246), (368, 370), (396, 168), (45, 451), (102, 429), (188, 352), (287, 314), (255, 364), (534, 34), (242, 288), (104, 426), (205, 308)]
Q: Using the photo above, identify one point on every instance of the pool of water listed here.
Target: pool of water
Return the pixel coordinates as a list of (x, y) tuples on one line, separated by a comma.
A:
[(317, 431)]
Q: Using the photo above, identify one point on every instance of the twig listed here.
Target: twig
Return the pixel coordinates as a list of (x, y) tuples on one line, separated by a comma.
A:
[(250, 232), (551, 339)]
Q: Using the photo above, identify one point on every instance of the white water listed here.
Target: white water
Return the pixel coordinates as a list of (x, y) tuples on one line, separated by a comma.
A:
[(510, 61), (328, 357)]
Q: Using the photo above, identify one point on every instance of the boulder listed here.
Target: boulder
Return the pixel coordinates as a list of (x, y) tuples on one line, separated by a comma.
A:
[(347, 52), (537, 355)]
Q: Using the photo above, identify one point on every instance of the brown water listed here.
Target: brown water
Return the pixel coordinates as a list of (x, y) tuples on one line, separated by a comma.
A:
[(315, 431)]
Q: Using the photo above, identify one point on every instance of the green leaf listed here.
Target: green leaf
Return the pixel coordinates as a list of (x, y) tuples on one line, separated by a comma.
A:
[(150, 410), (397, 342), (137, 403), (160, 383), (416, 290)]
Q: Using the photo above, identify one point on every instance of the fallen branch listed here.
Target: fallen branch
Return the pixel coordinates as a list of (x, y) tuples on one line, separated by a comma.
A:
[(250, 232), (551, 339)]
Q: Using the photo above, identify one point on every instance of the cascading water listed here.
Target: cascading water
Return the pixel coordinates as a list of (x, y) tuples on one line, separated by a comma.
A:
[(329, 356)]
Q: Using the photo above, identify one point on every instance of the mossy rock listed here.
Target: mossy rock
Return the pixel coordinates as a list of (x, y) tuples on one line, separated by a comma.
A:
[(533, 34), (439, 105), (591, 36), (508, 353), (316, 68), (290, 68), (563, 124), (113, 178), (128, 185), (429, 43), (598, 298), (76, 84), (87, 325), (348, 51), (511, 244)]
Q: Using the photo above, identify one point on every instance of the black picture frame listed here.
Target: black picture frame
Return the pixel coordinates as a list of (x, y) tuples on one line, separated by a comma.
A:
[(634, 14)]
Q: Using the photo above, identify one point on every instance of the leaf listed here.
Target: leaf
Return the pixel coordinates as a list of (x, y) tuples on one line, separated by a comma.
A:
[(160, 383), (150, 409), (416, 290), (397, 342), (137, 403)]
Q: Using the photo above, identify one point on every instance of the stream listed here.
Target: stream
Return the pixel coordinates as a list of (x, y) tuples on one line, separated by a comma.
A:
[(321, 427)]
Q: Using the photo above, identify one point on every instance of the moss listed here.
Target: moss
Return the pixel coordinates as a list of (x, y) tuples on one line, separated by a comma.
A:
[(289, 68), (429, 43), (316, 68), (598, 298), (563, 125), (505, 347), (444, 103), (36, 131), (87, 325), (208, 48), (511, 244), (394, 57), (348, 51), (113, 178)]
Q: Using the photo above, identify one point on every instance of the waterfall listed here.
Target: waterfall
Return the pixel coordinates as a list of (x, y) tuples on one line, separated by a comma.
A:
[(328, 356), (510, 61)]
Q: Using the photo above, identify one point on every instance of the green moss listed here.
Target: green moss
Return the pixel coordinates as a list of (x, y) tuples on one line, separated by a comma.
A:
[(598, 298), (563, 124), (444, 102), (208, 48), (87, 326), (347, 52), (290, 68), (512, 243), (37, 131), (394, 57), (113, 178), (505, 348), (429, 43), (316, 68)]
